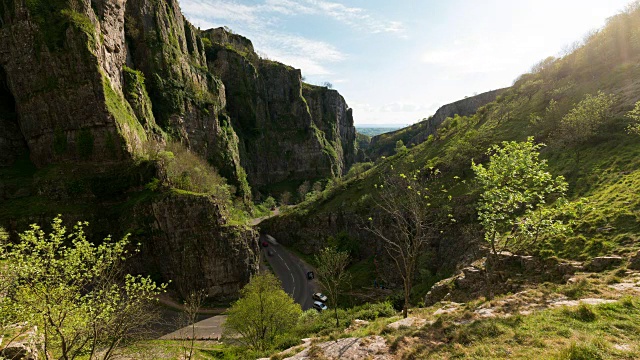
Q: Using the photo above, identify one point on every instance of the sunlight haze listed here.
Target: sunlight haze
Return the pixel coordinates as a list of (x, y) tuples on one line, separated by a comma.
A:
[(397, 62)]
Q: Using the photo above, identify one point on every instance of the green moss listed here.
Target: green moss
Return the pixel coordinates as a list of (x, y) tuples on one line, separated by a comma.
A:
[(136, 94), (129, 125), (54, 17), (82, 23)]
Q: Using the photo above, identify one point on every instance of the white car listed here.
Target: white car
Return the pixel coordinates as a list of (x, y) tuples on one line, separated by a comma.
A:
[(320, 297), (319, 306)]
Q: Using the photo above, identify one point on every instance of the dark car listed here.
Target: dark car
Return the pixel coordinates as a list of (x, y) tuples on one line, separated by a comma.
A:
[(310, 275), (265, 244), (319, 296), (269, 252)]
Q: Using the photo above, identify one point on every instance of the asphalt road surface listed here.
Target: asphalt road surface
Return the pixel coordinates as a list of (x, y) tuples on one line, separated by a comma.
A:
[(292, 272)]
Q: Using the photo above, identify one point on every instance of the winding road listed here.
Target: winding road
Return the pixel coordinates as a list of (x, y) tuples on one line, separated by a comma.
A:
[(291, 271)]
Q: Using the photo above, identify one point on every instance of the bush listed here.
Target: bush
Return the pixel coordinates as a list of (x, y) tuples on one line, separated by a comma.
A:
[(581, 352), (187, 171), (582, 313)]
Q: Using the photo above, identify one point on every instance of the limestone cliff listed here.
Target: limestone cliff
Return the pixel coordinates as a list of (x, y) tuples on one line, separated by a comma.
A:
[(384, 145), (81, 86), (92, 90), (193, 244), (63, 70), (288, 130)]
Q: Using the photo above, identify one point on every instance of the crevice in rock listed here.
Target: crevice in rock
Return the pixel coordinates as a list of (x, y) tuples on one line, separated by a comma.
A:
[(12, 142)]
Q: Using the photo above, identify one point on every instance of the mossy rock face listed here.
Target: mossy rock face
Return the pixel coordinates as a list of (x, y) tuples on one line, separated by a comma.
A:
[(280, 138)]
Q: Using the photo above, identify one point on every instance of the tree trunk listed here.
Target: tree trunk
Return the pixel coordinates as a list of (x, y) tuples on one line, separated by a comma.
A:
[(488, 276), (335, 309), (407, 290)]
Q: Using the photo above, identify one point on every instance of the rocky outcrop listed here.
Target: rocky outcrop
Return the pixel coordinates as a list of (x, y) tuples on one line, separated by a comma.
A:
[(602, 263), (332, 115), (384, 145), (510, 273), (62, 64), (634, 262), (287, 130), (190, 242), (188, 101)]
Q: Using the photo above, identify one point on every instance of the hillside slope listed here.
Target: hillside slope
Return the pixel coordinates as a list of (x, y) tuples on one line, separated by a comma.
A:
[(384, 145), (607, 174)]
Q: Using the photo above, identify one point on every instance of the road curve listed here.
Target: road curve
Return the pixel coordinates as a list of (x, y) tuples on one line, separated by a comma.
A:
[(292, 272)]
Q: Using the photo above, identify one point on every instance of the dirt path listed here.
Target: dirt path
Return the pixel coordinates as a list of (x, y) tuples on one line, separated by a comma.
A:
[(257, 221)]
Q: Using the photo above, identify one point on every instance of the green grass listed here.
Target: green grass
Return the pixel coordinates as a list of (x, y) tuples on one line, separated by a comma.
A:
[(584, 332)]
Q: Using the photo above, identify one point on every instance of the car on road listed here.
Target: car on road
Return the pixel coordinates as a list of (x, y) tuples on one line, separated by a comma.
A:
[(320, 297), (319, 306), (269, 252), (264, 244), (310, 275)]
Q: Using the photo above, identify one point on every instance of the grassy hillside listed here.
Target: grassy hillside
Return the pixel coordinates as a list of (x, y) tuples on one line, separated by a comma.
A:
[(606, 172)]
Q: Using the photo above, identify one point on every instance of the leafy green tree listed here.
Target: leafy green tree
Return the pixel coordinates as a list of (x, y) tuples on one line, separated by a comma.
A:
[(584, 121), (269, 203), (303, 189), (400, 147), (73, 292), (263, 312), (409, 219), (285, 198), (519, 198), (332, 274), (634, 115)]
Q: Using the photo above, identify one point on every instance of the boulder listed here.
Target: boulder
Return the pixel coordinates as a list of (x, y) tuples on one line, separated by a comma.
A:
[(437, 292), (18, 351), (603, 263), (634, 262)]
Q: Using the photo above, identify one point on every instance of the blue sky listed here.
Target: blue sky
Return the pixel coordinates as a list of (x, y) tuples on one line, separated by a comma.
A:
[(396, 62)]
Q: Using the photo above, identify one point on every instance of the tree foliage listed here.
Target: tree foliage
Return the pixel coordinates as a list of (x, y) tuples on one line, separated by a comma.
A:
[(634, 115), (332, 274), (584, 120), (517, 194), (72, 292), (400, 147), (263, 312)]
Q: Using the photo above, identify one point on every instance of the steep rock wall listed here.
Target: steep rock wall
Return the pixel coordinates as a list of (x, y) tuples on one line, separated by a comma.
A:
[(188, 101), (332, 115), (283, 137), (61, 67), (190, 243), (72, 96)]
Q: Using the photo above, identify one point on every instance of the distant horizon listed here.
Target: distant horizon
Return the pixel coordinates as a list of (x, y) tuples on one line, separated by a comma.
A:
[(383, 126)]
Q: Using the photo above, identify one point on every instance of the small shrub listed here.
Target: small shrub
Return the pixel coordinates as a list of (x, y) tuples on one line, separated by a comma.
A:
[(583, 313), (187, 171), (577, 290), (581, 352)]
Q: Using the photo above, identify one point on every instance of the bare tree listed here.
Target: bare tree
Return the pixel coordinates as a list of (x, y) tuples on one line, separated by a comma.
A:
[(192, 305), (408, 221), (332, 274)]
